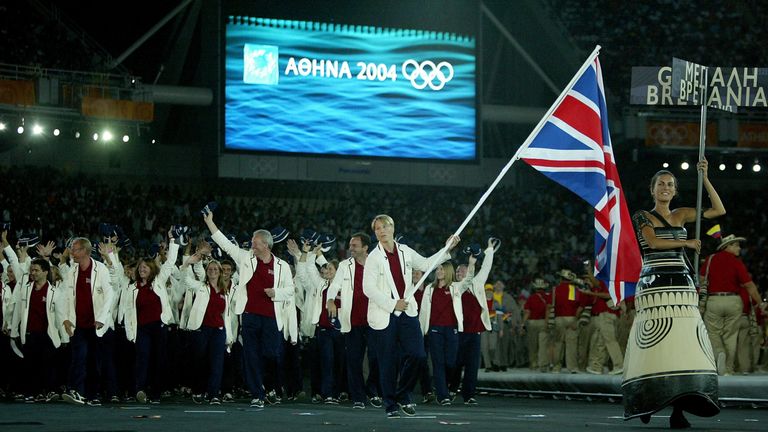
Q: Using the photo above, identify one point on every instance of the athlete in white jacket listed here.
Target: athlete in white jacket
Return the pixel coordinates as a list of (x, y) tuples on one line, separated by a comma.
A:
[(265, 283), (392, 312), (209, 320)]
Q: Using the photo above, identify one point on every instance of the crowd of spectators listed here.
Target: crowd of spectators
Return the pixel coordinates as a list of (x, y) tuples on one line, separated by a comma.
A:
[(542, 226)]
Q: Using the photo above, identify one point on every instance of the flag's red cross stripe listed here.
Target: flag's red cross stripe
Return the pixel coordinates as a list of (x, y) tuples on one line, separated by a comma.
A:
[(564, 164), (580, 117)]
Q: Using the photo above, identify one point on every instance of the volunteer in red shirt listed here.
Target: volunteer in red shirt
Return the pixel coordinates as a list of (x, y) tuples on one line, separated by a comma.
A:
[(727, 276), (605, 320), (566, 332), (535, 322)]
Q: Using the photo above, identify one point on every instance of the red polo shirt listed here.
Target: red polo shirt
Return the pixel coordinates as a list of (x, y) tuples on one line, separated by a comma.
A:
[(148, 307), (442, 308), (566, 300), (395, 267), (259, 302), (214, 311), (727, 273), (537, 304), (601, 305), (37, 320), (359, 312), (472, 313), (84, 298), (324, 321)]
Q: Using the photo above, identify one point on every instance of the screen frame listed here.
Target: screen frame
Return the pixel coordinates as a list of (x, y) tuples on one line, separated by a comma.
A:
[(313, 12)]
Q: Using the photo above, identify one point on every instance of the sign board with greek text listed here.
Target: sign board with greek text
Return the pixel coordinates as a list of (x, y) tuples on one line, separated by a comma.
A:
[(745, 87)]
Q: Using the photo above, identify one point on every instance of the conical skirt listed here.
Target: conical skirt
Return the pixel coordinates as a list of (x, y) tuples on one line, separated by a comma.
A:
[(669, 358)]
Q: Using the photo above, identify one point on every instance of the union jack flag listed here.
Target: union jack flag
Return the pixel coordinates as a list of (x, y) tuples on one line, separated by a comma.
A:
[(574, 149)]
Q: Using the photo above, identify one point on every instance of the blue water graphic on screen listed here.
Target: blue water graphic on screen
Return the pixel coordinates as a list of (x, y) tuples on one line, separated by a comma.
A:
[(313, 88)]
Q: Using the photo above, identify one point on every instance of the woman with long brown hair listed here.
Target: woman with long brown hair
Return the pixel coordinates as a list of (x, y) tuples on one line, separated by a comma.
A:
[(441, 318), (210, 324), (147, 317), (669, 359)]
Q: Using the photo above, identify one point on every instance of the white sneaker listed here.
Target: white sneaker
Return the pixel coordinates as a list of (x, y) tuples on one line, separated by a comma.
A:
[(73, 397)]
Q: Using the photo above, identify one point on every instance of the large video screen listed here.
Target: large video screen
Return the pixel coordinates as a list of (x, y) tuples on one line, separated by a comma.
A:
[(303, 87)]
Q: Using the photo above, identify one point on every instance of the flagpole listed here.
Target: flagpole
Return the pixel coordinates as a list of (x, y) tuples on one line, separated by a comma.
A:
[(506, 168), (700, 179)]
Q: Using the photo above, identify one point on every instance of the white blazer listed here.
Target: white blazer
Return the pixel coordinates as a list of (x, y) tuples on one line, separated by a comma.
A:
[(120, 284), (290, 320), (314, 282), (9, 296), (379, 286), (189, 293), (202, 294), (158, 287), (55, 308), (101, 292), (175, 291), (478, 288), (457, 289), (344, 282), (7, 304), (246, 265), (306, 328)]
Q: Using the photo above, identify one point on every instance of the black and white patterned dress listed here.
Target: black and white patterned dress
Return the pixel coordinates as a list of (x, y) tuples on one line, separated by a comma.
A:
[(669, 359)]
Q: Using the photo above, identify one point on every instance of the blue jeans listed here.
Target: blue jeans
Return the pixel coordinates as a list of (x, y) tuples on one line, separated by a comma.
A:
[(399, 344), (261, 345), (210, 345), (443, 348)]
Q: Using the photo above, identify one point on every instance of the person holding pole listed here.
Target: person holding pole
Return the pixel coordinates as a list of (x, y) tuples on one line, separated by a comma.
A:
[(669, 358), (392, 312)]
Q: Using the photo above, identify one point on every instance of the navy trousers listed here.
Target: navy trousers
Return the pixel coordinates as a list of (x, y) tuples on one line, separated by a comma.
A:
[(443, 348), (209, 346), (400, 341), (261, 347)]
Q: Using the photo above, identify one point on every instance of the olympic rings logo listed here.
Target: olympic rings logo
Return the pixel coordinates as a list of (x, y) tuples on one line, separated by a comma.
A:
[(426, 73)]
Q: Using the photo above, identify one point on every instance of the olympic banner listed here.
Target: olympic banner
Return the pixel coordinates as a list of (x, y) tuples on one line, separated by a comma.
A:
[(305, 87), (677, 134), (753, 135)]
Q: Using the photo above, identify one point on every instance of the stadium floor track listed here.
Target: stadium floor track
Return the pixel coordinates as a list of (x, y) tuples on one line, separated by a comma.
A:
[(493, 413)]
